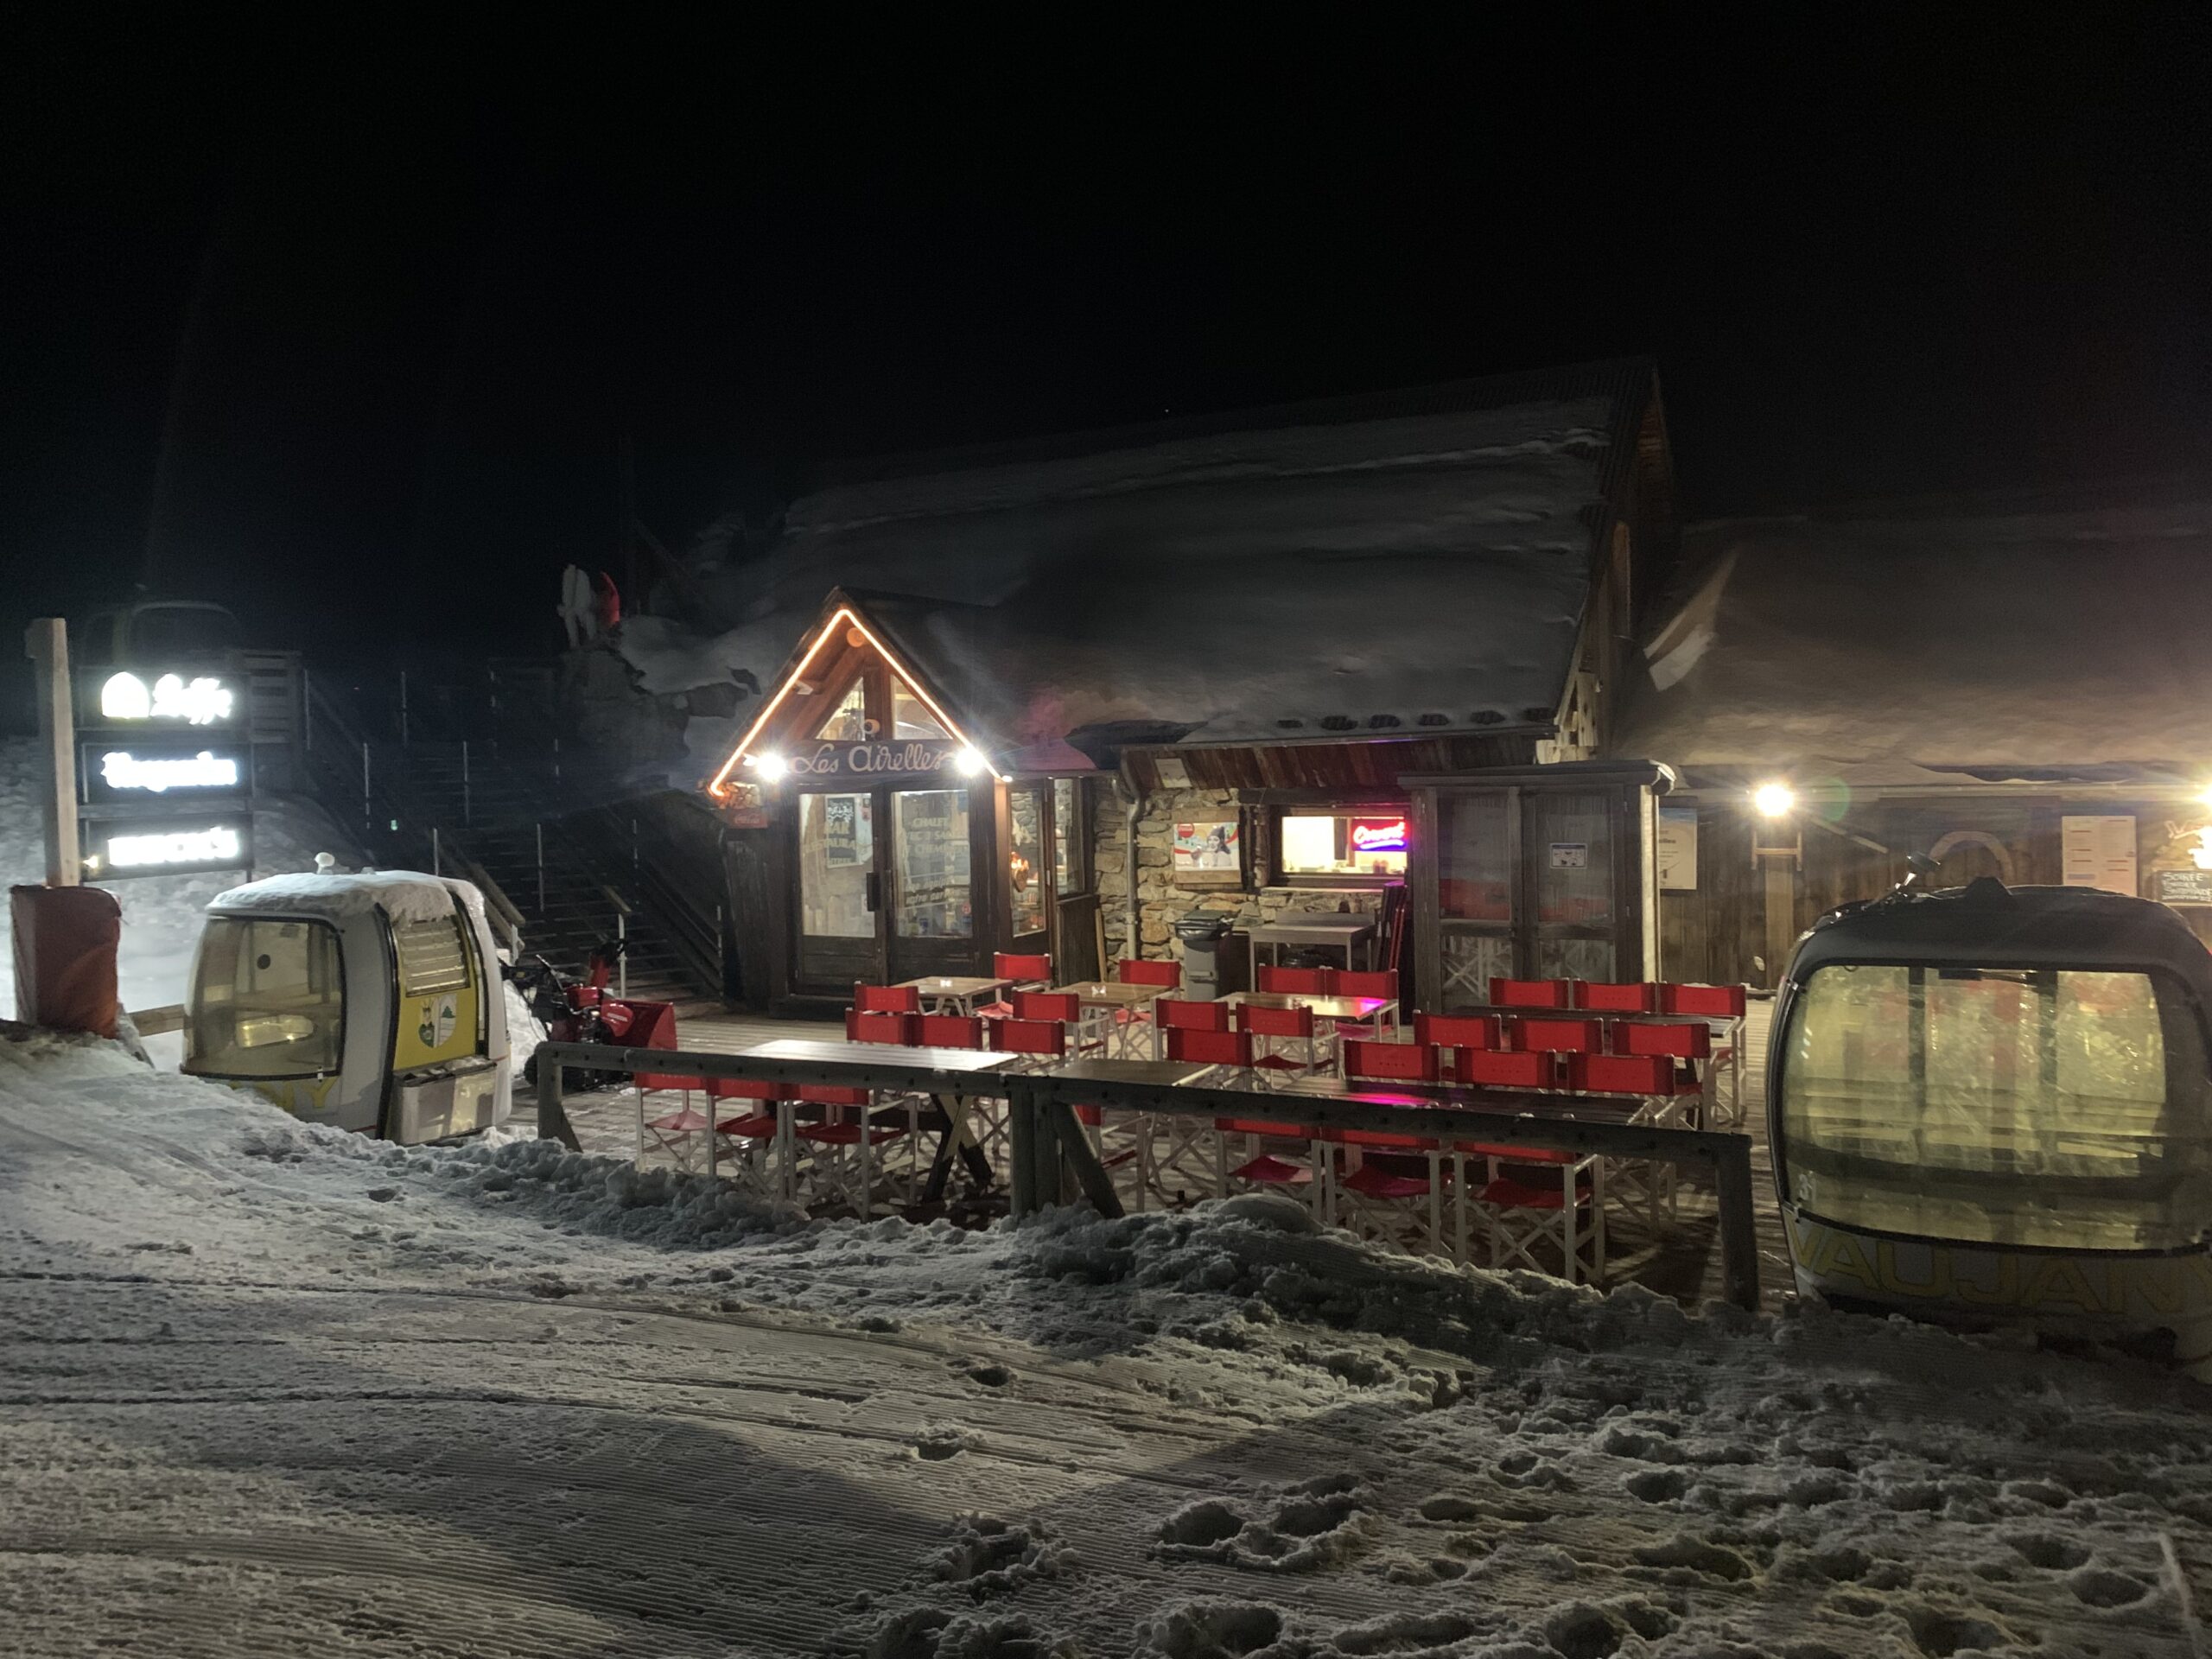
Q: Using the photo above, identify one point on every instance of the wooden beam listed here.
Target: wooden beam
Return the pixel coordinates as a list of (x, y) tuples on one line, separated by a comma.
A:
[(48, 642)]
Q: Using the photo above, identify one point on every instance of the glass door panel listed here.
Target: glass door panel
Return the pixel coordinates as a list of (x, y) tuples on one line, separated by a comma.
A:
[(1571, 880), (837, 855), (1025, 891), (930, 865), (1475, 895)]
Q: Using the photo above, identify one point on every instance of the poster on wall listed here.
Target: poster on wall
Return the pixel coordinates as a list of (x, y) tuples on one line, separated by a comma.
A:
[(1208, 845), (2098, 852), (1677, 848), (1570, 854), (840, 829)]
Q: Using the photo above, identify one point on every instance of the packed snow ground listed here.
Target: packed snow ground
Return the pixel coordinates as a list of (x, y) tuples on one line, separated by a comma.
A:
[(266, 1389)]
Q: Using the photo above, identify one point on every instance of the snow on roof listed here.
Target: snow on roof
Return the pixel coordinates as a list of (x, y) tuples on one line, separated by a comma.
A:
[(1887, 643), (1423, 569), (402, 895)]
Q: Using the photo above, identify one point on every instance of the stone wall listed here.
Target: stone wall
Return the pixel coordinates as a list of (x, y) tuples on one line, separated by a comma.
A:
[(1160, 900)]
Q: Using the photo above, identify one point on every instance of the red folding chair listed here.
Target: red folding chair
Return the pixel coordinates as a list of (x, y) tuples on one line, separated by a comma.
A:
[(950, 1030), (1040, 1041), (1136, 971), (1391, 1185), (1180, 1014), (1087, 1033), (1175, 1145), (1538, 1036), (1166, 977), (1600, 997), (1268, 1026), (758, 1140), (1297, 982), (686, 1134), (1450, 1031), (1029, 970), (1723, 1006), (1261, 1168), (887, 999), (1379, 985), (1529, 993), (903, 1029), (1481, 1068)]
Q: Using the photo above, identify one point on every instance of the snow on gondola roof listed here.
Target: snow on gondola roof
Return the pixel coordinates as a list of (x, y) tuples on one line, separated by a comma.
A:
[(1417, 564), (402, 895), (1983, 640)]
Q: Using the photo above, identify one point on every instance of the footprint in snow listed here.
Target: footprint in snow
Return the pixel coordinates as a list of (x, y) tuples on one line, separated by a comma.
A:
[(2049, 1550), (1939, 1633), (2099, 1586), (1312, 1523)]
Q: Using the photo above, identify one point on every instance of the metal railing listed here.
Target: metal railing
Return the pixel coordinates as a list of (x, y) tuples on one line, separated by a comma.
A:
[(1051, 1155)]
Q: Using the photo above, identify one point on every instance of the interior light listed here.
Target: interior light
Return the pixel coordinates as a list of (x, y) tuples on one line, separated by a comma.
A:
[(2204, 796), (968, 763), (1774, 800), (771, 767)]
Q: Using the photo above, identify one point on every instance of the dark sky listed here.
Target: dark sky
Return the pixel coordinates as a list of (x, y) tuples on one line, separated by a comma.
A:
[(345, 328)]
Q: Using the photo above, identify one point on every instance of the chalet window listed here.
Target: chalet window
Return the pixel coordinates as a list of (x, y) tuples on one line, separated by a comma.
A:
[(1358, 843), (909, 715), (847, 722)]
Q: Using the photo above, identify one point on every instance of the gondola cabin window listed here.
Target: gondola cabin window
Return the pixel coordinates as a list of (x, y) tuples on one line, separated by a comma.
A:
[(2038, 1107), (271, 1000), (1342, 844)]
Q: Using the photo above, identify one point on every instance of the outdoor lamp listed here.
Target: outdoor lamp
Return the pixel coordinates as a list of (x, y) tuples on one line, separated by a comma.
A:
[(2204, 796), (968, 763), (771, 767), (1774, 800)]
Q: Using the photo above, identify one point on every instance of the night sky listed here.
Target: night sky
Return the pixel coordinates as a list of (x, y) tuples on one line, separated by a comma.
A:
[(348, 329)]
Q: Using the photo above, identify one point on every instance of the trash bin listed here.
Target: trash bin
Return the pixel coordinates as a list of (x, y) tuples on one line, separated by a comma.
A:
[(1216, 956)]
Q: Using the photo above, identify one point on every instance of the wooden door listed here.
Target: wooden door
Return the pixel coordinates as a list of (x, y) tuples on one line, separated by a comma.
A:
[(929, 850)]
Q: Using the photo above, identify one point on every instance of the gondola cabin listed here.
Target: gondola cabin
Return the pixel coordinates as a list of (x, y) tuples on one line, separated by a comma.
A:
[(371, 1003), (1990, 1106)]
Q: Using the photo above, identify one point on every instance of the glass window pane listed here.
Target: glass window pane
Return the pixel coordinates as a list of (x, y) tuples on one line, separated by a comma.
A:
[(1474, 879), (1067, 825), (268, 1001), (909, 715), (929, 854), (836, 851), (1568, 845), (1343, 843), (2049, 1108), (1026, 861), (847, 722)]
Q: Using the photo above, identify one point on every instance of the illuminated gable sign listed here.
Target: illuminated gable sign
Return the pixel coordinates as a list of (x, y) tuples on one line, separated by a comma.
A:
[(813, 759), (205, 700)]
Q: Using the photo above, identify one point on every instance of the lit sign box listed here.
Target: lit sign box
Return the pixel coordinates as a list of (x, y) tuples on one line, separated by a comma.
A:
[(1378, 835), (178, 846), (119, 772), (130, 698)]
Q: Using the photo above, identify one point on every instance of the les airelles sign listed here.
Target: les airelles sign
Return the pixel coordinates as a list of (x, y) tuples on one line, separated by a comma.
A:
[(908, 758)]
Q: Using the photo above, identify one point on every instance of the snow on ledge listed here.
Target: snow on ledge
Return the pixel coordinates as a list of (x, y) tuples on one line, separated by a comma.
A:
[(402, 895)]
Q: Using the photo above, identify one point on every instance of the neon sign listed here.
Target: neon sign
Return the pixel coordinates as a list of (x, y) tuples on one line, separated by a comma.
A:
[(156, 774), (204, 701), (1379, 835), (215, 848)]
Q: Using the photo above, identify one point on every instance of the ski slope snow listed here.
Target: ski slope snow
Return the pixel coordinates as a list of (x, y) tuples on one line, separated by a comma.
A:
[(268, 1389)]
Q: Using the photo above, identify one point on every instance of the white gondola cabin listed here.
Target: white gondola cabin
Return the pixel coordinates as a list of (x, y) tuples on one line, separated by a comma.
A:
[(371, 1003), (1991, 1105)]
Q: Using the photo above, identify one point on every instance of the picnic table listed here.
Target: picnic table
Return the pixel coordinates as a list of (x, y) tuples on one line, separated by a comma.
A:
[(1114, 998), (955, 1135)]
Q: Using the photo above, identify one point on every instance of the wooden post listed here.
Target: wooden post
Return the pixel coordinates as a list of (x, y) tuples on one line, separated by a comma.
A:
[(1781, 913), (1021, 1149), (1739, 1243), (1081, 1158), (47, 641), (552, 1117)]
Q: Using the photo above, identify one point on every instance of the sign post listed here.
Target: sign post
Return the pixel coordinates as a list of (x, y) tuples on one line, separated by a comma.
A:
[(48, 642)]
